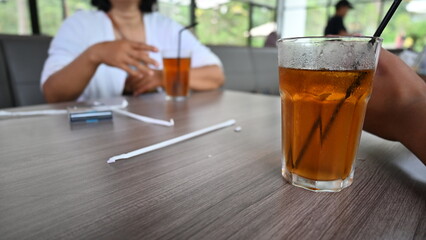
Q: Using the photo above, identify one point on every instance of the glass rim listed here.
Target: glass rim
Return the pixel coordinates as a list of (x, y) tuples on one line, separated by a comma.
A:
[(329, 38), (172, 53), (175, 50)]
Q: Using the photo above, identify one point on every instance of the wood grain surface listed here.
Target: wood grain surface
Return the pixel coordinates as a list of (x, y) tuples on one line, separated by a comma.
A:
[(55, 182)]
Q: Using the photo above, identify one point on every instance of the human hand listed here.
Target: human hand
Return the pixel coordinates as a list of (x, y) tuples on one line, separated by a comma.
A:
[(136, 85), (124, 54)]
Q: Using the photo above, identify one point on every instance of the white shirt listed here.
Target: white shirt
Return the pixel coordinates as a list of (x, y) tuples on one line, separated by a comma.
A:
[(86, 28)]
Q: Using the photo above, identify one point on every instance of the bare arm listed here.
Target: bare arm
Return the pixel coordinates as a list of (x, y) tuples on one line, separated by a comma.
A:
[(397, 108), (68, 83), (206, 78), (414, 136)]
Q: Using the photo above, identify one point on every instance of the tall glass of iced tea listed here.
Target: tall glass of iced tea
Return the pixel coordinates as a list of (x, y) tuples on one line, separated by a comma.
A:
[(325, 84), (177, 64)]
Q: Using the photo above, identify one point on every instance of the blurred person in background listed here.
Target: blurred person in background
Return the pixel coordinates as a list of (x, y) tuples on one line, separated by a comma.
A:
[(115, 50), (271, 40), (335, 25)]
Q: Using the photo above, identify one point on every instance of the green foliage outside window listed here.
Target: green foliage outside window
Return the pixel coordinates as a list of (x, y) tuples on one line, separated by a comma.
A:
[(227, 24), (14, 17)]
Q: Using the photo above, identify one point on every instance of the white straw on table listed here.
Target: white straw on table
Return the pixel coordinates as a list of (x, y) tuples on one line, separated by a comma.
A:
[(144, 118), (123, 104), (171, 141), (32, 113)]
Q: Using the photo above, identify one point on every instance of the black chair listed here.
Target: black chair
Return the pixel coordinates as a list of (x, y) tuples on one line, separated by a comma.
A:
[(238, 67), (265, 67), (25, 56), (249, 69), (6, 99)]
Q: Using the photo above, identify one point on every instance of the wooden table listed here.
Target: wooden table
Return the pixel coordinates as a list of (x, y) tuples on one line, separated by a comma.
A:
[(55, 182)]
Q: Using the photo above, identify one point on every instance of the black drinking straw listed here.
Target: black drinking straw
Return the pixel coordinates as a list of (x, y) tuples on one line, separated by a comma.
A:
[(349, 91), (176, 83), (180, 36), (387, 18)]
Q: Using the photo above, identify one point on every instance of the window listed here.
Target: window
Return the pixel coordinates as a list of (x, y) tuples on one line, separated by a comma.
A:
[(407, 28), (75, 5), (53, 12), (14, 17), (364, 18), (241, 23), (223, 24), (177, 10), (317, 13), (263, 20), (50, 16), (245, 22)]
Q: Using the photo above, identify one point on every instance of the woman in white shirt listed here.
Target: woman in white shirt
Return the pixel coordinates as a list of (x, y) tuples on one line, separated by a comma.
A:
[(116, 49)]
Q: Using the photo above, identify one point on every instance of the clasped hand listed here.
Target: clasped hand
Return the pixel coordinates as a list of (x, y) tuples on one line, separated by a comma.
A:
[(132, 57)]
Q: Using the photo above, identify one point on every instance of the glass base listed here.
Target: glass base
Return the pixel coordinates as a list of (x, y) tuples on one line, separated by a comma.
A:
[(176, 98), (318, 186)]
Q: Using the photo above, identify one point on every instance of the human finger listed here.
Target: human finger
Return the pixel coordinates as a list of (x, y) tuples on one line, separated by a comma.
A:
[(143, 56), (130, 71), (140, 67), (143, 46), (144, 87)]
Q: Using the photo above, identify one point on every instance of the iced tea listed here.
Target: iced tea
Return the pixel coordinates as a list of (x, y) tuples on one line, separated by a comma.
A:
[(325, 84), (176, 76), (322, 121)]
